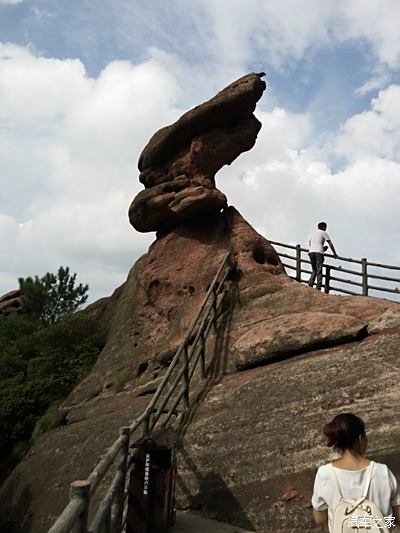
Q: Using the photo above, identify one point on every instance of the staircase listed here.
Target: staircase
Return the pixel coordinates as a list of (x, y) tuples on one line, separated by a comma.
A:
[(171, 399)]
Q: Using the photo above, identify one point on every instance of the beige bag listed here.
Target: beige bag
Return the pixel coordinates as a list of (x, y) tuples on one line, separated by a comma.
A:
[(357, 515)]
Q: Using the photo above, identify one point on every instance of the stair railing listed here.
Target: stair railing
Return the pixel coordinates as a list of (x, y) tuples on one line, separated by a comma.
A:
[(358, 279), (174, 389)]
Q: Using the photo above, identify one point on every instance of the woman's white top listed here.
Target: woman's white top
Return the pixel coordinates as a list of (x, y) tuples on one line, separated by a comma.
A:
[(384, 490)]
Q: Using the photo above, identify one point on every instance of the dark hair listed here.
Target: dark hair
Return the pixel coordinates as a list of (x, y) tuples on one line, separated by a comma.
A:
[(344, 430), (322, 225)]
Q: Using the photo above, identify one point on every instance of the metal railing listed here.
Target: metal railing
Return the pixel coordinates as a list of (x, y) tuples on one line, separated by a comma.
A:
[(333, 280), (110, 515)]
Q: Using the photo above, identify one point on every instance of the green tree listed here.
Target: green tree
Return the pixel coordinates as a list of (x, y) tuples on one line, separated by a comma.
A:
[(53, 296), (37, 371), (15, 326)]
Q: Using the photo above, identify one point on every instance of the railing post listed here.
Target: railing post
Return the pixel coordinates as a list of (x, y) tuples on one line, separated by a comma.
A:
[(298, 262), (203, 356), (107, 522), (80, 490), (146, 425), (186, 376), (112, 506), (117, 508), (214, 308), (364, 272), (327, 278)]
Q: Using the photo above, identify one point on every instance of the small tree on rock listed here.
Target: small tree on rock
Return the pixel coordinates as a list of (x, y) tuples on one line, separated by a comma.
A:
[(53, 296)]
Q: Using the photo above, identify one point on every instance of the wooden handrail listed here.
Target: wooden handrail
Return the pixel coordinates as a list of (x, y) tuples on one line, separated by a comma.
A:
[(180, 372), (362, 273)]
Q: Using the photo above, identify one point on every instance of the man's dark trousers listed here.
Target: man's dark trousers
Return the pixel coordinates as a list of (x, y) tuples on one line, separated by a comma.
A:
[(317, 260)]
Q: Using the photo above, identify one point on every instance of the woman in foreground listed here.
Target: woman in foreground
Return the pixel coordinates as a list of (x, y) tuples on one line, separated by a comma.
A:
[(349, 476)]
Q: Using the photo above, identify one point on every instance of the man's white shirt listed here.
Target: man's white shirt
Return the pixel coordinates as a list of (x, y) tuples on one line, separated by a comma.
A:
[(317, 240)]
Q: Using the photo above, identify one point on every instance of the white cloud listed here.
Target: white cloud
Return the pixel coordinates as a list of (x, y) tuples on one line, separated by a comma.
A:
[(284, 189), (376, 21), (69, 146), (375, 132), (231, 34), (11, 2), (380, 79), (277, 31)]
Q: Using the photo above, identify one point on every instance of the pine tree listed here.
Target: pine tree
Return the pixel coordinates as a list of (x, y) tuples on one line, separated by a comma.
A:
[(53, 296)]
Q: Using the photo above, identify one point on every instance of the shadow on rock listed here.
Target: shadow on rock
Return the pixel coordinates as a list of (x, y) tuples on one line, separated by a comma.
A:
[(214, 497), (217, 365), (15, 509)]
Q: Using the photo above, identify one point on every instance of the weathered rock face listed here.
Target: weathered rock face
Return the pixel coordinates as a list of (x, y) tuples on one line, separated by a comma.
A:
[(146, 319), (230, 456), (256, 438), (155, 307), (285, 358), (10, 302), (179, 163)]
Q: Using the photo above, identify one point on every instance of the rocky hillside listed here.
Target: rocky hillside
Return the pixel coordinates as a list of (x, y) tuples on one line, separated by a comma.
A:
[(284, 360)]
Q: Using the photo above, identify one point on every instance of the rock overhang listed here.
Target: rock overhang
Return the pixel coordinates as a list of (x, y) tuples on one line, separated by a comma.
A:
[(179, 163)]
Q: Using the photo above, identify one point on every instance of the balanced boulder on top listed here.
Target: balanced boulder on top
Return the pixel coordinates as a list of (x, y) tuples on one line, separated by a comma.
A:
[(179, 163)]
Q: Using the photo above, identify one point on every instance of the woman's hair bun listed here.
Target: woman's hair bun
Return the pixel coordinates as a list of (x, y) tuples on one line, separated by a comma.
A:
[(344, 430)]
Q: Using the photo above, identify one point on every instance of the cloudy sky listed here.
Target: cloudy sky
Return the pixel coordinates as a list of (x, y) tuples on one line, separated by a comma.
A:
[(85, 83)]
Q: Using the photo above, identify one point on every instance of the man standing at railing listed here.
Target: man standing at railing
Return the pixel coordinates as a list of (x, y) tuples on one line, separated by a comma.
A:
[(317, 247)]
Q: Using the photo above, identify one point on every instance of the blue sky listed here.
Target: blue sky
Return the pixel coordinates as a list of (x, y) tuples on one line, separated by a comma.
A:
[(85, 83)]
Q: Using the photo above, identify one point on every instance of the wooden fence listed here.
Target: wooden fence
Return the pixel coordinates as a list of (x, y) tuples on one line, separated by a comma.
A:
[(365, 278), (172, 394)]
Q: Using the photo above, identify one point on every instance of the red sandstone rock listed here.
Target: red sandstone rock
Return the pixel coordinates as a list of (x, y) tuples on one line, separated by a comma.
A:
[(10, 302), (267, 422), (289, 494), (179, 163), (254, 422), (253, 432), (234, 103)]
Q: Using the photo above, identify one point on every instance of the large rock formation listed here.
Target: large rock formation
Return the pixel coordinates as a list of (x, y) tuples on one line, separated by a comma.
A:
[(179, 163), (251, 449), (285, 359)]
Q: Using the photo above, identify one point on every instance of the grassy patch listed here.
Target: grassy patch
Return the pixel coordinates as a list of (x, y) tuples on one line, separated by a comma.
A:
[(49, 420)]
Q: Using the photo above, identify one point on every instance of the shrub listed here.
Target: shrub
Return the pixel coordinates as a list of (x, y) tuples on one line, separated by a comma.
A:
[(49, 420), (38, 371)]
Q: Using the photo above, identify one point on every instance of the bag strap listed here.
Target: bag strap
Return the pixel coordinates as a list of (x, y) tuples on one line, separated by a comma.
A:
[(370, 470), (369, 477), (337, 481)]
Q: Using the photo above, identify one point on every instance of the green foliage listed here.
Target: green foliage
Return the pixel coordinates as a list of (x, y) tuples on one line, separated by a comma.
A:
[(38, 370), (121, 380), (15, 326), (53, 296), (49, 420)]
